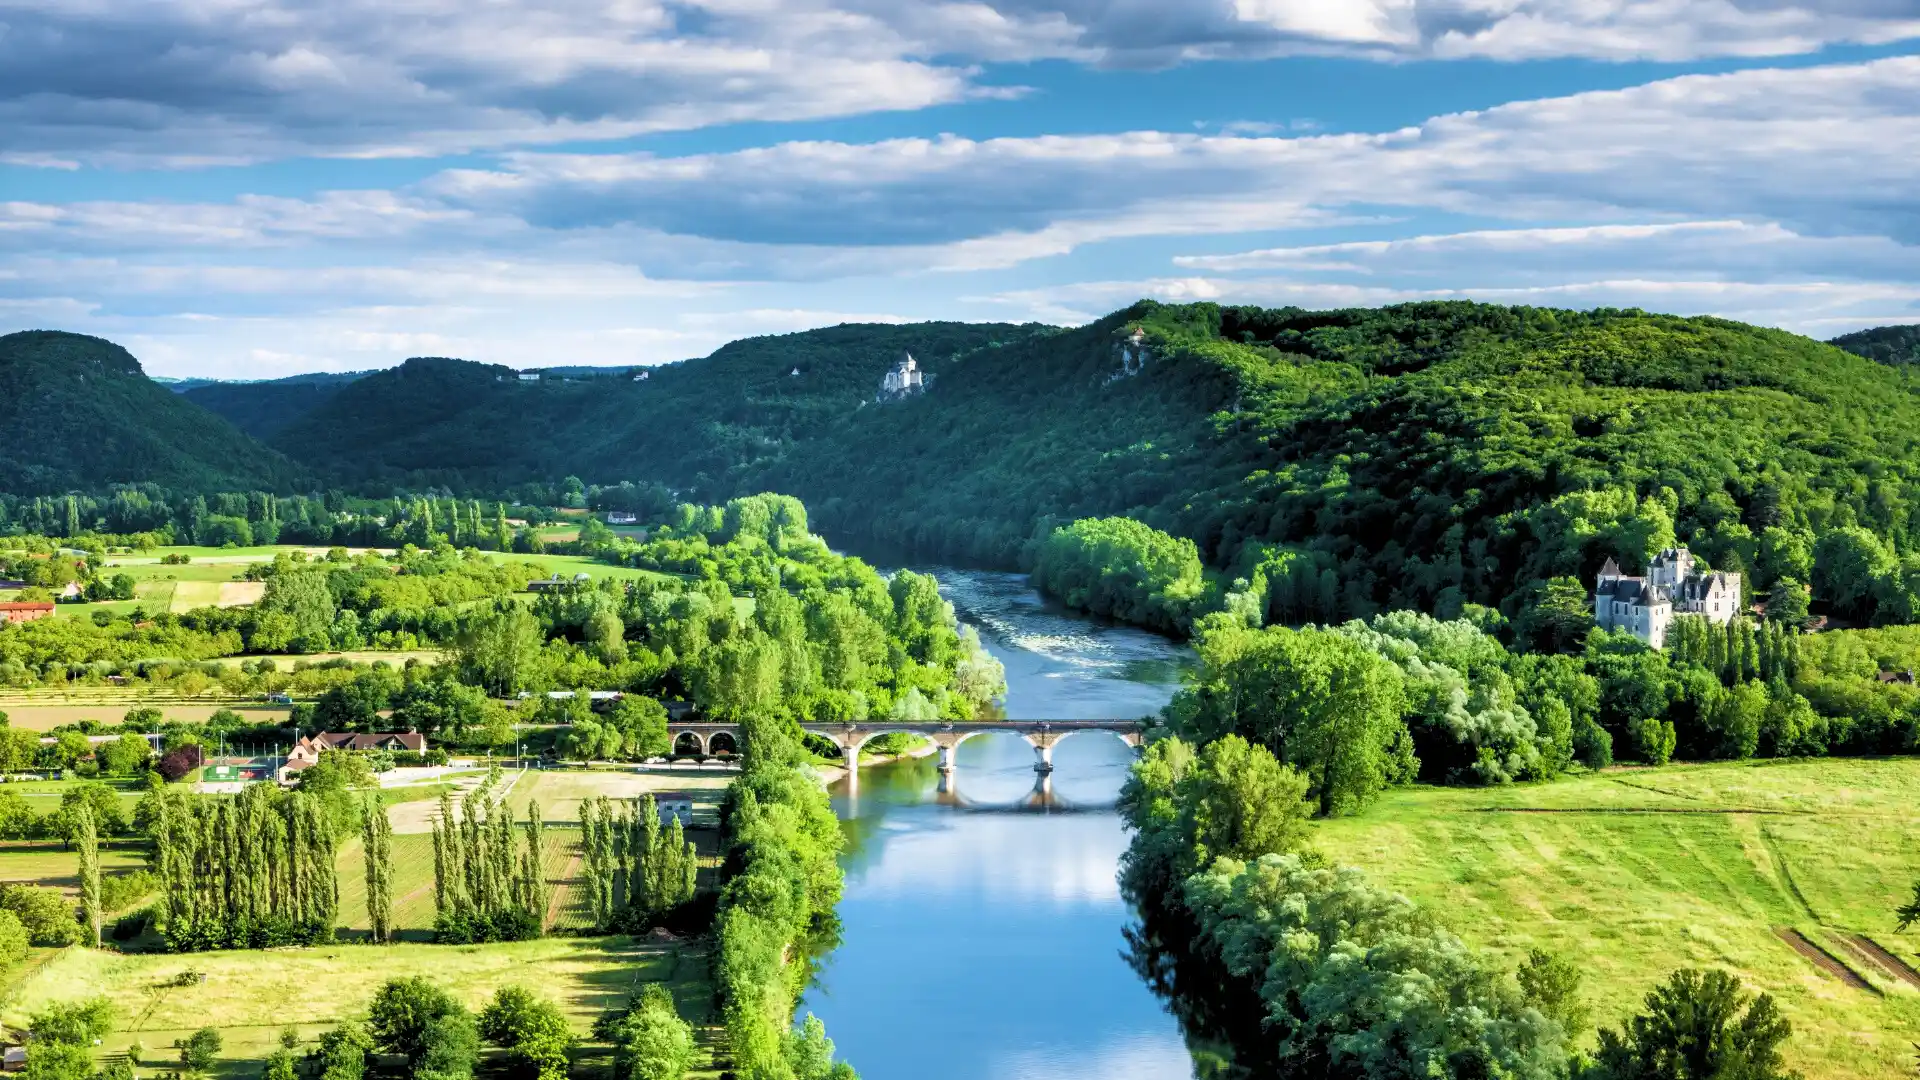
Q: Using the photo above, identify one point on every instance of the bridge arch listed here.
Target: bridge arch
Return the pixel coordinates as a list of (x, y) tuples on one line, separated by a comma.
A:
[(961, 737), (1132, 740), (722, 742), (689, 742)]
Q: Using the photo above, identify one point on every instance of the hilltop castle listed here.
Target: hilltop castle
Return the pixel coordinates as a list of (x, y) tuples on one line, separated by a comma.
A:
[(1645, 606), (904, 379)]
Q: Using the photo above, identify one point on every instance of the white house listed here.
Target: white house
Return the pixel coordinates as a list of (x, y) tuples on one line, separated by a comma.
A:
[(1645, 606), (903, 379)]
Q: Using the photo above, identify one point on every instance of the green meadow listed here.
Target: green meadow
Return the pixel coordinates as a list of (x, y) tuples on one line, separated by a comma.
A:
[(1633, 873)]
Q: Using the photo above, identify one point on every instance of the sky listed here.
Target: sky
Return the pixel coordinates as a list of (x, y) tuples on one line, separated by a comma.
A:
[(257, 188)]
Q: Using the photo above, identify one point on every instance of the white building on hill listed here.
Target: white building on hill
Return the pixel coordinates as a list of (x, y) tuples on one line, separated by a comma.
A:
[(903, 379), (1645, 606)]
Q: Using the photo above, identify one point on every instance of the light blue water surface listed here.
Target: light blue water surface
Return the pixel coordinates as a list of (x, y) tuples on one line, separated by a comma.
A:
[(981, 920)]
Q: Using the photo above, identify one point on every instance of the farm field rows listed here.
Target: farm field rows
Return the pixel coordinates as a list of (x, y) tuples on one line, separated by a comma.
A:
[(1633, 873)]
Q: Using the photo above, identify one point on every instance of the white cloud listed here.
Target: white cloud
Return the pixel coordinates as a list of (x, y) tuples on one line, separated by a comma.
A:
[(208, 81)]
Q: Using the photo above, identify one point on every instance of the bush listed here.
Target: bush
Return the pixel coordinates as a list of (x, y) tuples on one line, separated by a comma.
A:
[(132, 924), (47, 916), (175, 764), (13, 939), (532, 1031), (1694, 1027), (75, 1023), (650, 1040), (201, 1050), (122, 890)]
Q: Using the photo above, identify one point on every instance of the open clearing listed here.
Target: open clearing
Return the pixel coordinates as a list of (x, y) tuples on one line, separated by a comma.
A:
[(250, 996), (41, 714), (1633, 873), (560, 791)]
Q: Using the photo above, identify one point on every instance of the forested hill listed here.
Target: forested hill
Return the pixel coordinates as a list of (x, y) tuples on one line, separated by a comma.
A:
[(79, 413), (477, 427), (1422, 456), (1887, 344), (261, 409)]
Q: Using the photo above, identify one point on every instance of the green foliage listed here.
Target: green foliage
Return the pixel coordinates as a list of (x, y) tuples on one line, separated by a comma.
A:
[(531, 1029), (489, 881), (1697, 1026), (59, 1061), (96, 419), (1552, 985), (251, 871), (650, 1040), (72, 1023), (87, 841), (13, 940), (404, 1014), (1322, 701), (377, 853), (342, 1053), (201, 1050), (1360, 979), (1120, 568), (279, 1066), (46, 915), (1893, 345)]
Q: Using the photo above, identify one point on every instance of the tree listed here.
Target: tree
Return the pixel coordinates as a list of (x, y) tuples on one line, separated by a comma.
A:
[(1556, 616), (102, 803), (377, 851), (1242, 803), (1552, 985), (46, 915), (126, 755), (339, 779), (74, 1023), (644, 723), (201, 1050), (531, 1029), (499, 649), (1697, 1026), (341, 1053), (59, 1061), (404, 1013), (1787, 603), (13, 940), (88, 843), (279, 1066), (304, 597), (605, 635), (650, 1040)]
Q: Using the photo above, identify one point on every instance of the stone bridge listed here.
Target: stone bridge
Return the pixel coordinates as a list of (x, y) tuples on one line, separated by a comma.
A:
[(712, 738)]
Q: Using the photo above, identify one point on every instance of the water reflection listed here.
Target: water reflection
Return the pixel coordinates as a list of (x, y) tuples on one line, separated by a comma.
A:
[(981, 925)]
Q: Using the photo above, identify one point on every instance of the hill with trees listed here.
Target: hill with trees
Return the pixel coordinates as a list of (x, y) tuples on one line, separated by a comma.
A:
[(261, 409), (80, 413), (1887, 344)]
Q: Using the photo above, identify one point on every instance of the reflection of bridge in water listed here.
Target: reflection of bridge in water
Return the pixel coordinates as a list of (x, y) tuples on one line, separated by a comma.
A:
[(1040, 800), (1042, 735)]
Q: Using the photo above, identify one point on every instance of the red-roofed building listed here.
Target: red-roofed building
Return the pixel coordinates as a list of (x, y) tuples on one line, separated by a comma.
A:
[(307, 751), (19, 611)]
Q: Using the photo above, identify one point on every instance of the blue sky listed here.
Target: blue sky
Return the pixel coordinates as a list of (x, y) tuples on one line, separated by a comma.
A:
[(252, 188)]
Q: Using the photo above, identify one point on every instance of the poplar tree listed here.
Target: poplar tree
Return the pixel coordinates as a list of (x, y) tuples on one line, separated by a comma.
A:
[(87, 839), (377, 847)]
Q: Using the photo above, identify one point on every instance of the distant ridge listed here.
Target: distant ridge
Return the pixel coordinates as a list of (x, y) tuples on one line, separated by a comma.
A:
[(1885, 344), (80, 413)]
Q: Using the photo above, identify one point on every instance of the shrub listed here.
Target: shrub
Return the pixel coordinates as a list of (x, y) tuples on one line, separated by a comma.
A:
[(13, 939), (201, 1050), (532, 1031), (75, 1023), (122, 890), (175, 764), (47, 916)]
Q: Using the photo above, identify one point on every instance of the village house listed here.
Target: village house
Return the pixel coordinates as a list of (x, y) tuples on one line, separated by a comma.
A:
[(622, 517), (306, 753), (1646, 606), (19, 611)]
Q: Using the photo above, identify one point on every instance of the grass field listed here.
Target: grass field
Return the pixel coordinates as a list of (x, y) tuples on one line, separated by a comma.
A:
[(1633, 873), (251, 996), (560, 791), (45, 864), (569, 565), (40, 713)]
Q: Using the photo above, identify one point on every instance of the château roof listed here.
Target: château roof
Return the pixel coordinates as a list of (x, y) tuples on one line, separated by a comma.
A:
[(1610, 568)]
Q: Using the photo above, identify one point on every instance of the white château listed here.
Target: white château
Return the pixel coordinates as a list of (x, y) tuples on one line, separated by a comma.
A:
[(1645, 606)]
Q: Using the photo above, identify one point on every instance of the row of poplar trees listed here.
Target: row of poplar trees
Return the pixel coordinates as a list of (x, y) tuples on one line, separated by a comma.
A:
[(1737, 651), (637, 873), (489, 881), (252, 871)]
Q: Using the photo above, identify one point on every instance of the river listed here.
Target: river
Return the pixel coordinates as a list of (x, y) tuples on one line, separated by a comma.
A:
[(981, 923)]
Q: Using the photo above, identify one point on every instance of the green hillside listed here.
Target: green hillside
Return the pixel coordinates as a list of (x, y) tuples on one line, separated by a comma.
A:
[(1424, 455), (439, 421), (1886, 344), (261, 409), (81, 414)]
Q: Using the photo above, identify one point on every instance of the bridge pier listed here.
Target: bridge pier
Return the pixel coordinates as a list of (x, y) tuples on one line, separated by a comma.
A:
[(1043, 756), (946, 759), (851, 754)]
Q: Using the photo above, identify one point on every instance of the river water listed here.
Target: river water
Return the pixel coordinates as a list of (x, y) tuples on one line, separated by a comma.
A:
[(981, 923)]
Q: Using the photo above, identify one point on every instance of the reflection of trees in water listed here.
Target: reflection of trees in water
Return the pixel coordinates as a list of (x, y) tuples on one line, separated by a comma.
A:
[(1164, 948)]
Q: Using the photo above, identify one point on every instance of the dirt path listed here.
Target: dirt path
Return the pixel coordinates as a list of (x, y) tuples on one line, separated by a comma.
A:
[(1824, 960), (1876, 955)]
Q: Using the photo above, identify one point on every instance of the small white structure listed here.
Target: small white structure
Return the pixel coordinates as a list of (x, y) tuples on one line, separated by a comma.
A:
[(672, 805), (1645, 606), (622, 517), (529, 376), (904, 379), (640, 377)]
